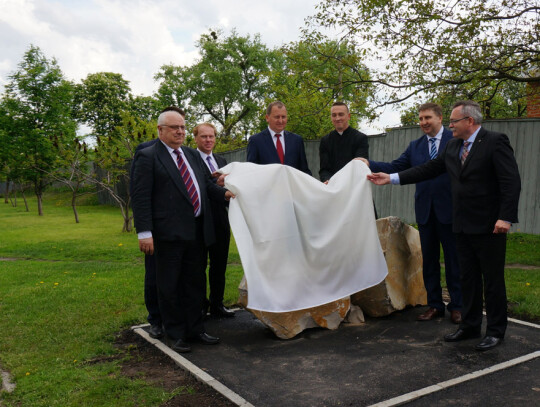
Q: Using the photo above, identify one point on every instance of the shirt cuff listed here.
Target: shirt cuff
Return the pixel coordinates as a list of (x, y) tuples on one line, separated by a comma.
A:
[(144, 235), (394, 178)]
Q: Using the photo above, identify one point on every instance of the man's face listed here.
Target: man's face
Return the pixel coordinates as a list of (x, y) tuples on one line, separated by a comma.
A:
[(461, 126), (430, 122), (206, 139), (277, 119), (340, 117), (173, 131)]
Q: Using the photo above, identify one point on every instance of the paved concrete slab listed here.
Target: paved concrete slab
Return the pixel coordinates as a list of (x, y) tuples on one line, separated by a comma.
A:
[(378, 362)]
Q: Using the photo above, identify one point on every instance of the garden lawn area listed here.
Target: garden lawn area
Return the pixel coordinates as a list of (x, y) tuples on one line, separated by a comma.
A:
[(67, 290)]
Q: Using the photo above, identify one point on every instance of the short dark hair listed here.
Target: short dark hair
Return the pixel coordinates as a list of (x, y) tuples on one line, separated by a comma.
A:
[(277, 103), (470, 108), (340, 104), (174, 109), (431, 106)]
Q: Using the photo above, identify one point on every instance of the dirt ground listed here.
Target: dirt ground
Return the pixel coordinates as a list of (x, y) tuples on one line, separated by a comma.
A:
[(143, 360)]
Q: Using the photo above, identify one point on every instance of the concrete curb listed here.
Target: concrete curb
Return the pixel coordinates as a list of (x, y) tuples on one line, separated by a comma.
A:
[(199, 374)]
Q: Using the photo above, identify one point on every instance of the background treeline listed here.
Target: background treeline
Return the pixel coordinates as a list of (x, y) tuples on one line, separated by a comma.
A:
[(386, 52)]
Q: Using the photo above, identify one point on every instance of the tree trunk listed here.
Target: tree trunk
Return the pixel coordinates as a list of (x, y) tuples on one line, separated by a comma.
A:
[(6, 195), (40, 204), (74, 205), (25, 201), (128, 227)]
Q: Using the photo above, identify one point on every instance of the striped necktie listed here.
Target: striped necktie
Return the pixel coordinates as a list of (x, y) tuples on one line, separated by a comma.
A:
[(190, 186), (210, 165), (432, 148), (465, 151)]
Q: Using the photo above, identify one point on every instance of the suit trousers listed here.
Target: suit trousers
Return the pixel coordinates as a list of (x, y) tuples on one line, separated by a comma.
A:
[(150, 290), (481, 259), (218, 254), (181, 284), (432, 235)]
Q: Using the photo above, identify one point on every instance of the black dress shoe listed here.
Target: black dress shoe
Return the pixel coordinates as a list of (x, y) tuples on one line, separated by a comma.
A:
[(430, 314), (155, 331), (220, 311), (181, 347), (460, 335), (207, 339), (488, 342)]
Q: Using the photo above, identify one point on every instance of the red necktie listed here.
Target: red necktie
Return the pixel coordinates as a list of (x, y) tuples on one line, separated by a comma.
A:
[(279, 149), (190, 186)]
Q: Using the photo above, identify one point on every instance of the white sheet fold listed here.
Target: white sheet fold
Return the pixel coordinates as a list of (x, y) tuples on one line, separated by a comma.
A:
[(303, 243)]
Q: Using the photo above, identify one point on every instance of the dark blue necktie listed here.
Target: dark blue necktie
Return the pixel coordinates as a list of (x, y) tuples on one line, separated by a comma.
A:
[(433, 148)]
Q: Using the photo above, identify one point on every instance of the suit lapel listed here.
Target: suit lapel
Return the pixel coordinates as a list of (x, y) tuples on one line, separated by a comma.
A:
[(474, 147), (166, 159)]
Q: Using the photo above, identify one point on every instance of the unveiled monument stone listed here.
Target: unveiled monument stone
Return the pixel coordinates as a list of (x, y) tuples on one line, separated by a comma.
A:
[(403, 286)]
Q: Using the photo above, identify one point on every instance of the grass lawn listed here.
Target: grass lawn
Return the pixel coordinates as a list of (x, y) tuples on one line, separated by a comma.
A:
[(68, 289)]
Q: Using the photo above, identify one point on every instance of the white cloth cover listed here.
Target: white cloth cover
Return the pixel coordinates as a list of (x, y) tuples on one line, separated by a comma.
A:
[(303, 243)]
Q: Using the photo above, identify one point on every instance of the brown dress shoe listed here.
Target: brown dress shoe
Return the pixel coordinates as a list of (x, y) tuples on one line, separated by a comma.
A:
[(455, 316), (430, 314)]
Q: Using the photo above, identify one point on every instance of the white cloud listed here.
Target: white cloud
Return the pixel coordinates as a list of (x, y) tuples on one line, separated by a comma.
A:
[(135, 37)]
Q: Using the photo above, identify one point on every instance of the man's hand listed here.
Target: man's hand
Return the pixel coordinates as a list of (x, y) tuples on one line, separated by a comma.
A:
[(363, 160), (229, 195), (147, 245), (379, 178), (220, 178), (501, 226)]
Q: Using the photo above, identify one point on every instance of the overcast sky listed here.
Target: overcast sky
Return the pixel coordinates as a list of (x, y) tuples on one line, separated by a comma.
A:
[(136, 37)]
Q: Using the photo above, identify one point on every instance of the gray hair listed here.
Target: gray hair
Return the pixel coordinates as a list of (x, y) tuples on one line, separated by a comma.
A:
[(162, 117), (470, 108)]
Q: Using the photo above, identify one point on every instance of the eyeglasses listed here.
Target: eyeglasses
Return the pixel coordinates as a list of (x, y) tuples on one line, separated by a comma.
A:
[(175, 127), (458, 120)]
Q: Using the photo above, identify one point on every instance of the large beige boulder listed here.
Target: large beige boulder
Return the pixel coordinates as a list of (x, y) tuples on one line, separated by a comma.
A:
[(286, 325), (404, 284)]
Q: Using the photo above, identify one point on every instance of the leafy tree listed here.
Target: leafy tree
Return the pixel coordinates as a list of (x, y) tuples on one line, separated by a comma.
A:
[(38, 108), (421, 46), (113, 157), (312, 76), (101, 98), (227, 84)]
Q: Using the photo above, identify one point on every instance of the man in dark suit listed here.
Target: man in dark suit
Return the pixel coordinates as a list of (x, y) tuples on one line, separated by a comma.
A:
[(485, 192), (205, 137), (275, 145), (342, 144), (150, 285), (172, 215), (433, 207)]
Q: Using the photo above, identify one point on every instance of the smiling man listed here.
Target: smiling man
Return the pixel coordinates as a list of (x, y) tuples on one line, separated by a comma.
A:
[(205, 137), (433, 207), (274, 145), (343, 144)]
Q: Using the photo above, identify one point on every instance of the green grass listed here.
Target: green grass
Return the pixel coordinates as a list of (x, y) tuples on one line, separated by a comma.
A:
[(71, 287), (68, 290)]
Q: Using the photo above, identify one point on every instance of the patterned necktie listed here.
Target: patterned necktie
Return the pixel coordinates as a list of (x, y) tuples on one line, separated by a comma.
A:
[(279, 149), (212, 168), (465, 151), (190, 186), (432, 148)]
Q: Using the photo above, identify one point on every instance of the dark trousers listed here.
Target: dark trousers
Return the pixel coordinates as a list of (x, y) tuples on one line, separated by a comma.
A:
[(181, 284), (481, 259), (218, 254), (151, 291), (432, 235)]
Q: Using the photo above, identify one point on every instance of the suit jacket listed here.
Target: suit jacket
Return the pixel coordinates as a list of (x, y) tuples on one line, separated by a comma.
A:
[(161, 203), (132, 169), (261, 150), (219, 209), (486, 188), (433, 193)]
